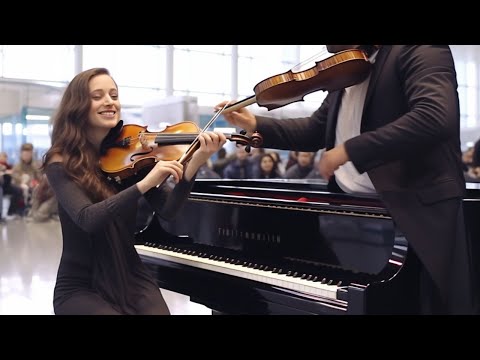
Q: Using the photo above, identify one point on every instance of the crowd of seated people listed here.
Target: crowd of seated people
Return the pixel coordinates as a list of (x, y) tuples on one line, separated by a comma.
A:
[(262, 163)]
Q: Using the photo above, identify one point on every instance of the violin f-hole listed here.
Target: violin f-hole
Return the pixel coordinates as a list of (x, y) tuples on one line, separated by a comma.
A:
[(132, 158)]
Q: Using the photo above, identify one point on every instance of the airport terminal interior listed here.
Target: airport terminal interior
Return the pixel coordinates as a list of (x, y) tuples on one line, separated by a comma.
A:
[(163, 85)]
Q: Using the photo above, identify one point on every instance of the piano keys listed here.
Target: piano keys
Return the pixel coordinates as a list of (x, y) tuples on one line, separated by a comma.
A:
[(303, 284), (282, 247)]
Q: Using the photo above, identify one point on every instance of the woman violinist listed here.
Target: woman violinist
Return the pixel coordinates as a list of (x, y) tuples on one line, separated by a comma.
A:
[(100, 271)]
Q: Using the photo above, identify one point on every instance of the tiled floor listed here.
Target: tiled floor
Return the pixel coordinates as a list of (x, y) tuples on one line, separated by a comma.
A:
[(29, 256)]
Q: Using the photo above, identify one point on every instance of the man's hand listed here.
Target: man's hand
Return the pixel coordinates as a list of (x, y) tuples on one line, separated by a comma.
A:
[(241, 118), (331, 160)]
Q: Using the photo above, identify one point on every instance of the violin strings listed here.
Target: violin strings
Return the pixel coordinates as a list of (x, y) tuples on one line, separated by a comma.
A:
[(298, 67), (214, 117), (170, 136)]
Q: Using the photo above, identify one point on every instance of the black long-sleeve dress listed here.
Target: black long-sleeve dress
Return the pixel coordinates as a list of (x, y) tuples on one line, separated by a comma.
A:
[(100, 271)]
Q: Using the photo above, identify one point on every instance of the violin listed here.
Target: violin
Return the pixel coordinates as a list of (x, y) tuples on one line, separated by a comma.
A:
[(128, 158), (341, 70)]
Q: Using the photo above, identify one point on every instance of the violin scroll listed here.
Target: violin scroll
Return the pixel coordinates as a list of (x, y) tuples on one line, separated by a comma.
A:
[(255, 140)]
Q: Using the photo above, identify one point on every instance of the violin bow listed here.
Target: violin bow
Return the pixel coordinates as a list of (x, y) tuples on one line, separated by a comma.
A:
[(212, 120)]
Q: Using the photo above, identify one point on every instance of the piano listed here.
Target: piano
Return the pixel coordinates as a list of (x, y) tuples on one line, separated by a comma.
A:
[(286, 247)]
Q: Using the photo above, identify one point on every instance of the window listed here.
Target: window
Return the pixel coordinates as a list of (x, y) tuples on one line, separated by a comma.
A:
[(202, 71), (38, 62), (141, 68)]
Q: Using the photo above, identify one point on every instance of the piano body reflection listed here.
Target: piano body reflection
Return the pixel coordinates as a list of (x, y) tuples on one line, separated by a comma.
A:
[(283, 247)]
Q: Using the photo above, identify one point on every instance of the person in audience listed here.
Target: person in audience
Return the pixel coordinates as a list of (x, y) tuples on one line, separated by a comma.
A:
[(26, 173), (470, 170), (222, 160), (396, 134), (100, 271), (476, 153), (315, 173), (206, 171), (239, 167), (303, 166), (278, 161), (268, 167), (467, 158), (5, 166), (473, 172), (17, 204), (292, 159), (253, 159)]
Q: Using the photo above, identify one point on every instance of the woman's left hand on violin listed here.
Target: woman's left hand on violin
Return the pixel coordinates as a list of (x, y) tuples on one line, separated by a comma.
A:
[(210, 142)]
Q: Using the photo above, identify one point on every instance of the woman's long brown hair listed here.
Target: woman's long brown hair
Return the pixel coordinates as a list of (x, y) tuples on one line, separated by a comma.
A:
[(69, 138)]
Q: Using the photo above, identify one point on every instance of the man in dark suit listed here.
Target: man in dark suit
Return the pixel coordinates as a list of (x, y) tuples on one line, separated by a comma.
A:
[(397, 134)]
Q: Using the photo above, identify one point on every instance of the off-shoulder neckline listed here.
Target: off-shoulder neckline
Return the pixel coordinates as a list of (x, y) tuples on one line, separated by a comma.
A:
[(54, 163)]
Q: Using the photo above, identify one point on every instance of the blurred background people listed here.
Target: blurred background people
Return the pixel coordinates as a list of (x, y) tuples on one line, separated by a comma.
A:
[(16, 204), (471, 163), (239, 167), (222, 160), (303, 166), (26, 173)]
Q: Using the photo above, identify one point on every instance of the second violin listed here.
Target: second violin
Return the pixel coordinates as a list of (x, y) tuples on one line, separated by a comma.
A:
[(341, 70)]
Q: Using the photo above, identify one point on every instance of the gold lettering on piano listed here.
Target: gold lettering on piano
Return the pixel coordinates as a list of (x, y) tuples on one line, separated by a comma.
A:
[(237, 234)]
